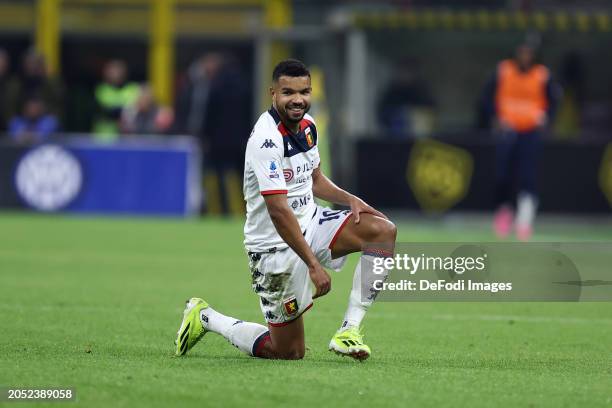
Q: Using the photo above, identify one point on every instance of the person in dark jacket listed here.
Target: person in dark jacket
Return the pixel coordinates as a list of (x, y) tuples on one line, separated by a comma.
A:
[(34, 81), (215, 107)]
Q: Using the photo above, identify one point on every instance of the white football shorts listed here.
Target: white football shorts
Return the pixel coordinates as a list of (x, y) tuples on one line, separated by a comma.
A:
[(281, 278)]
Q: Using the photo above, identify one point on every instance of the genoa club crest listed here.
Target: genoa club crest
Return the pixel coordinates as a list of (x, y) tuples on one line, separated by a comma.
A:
[(308, 136), (291, 306)]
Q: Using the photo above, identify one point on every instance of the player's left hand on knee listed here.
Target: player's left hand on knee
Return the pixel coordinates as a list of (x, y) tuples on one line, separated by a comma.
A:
[(359, 206)]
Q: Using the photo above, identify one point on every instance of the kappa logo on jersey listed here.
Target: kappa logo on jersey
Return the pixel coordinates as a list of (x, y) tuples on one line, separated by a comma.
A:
[(273, 170), (288, 173), (308, 136), (268, 144), (291, 306)]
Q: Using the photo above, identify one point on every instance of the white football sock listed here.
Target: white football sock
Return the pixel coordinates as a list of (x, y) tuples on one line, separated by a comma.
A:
[(358, 305), (246, 336), (527, 205), (356, 310), (216, 322)]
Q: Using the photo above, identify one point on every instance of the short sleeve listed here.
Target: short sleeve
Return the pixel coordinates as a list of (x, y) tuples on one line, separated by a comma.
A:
[(317, 158), (267, 163)]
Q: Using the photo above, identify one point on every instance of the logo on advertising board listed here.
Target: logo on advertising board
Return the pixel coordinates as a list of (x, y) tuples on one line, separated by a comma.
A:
[(48, 178)]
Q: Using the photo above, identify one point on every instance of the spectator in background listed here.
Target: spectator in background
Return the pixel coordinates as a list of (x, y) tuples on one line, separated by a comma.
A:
[(214, 106), (406, 107), (35, 125), (193, 96), (145, 116), (113, 95), (522, 98), (34, 81)]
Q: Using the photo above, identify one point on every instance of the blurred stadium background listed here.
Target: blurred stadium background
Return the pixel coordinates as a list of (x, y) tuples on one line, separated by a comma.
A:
[(118, 79), (142, 109)]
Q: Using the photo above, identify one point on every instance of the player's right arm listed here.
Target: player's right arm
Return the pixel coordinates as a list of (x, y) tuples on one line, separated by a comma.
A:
[(288, 228), (265, 153)]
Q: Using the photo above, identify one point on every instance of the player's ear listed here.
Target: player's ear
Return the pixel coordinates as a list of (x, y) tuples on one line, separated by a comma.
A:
[(272, 94)]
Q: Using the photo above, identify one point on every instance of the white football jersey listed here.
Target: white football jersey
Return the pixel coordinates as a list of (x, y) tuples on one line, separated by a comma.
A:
[(278, 161)]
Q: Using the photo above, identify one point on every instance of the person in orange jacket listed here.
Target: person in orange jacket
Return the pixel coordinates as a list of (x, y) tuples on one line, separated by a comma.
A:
[(522, 98)]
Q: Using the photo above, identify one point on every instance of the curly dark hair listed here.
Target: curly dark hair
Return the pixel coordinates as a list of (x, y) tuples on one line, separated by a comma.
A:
[(290, 68)]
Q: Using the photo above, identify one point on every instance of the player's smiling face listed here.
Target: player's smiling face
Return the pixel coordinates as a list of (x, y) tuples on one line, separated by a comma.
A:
[(291, 98)]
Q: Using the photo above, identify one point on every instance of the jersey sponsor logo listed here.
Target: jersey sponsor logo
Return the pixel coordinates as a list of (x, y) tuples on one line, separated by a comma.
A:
[(273, 170), (268, 144), (291, 306), (303, 171), (288, 173), (304, 178), (301, 202), (305, 167)]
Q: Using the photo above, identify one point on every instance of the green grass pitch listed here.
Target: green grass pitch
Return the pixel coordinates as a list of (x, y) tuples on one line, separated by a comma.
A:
[(94, 303)]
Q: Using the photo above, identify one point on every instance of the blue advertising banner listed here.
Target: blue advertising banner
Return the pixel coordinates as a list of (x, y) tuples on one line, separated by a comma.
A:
[(138, 176)]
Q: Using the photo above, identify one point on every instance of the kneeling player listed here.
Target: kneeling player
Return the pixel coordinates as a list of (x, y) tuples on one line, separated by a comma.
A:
[(289, 238)]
